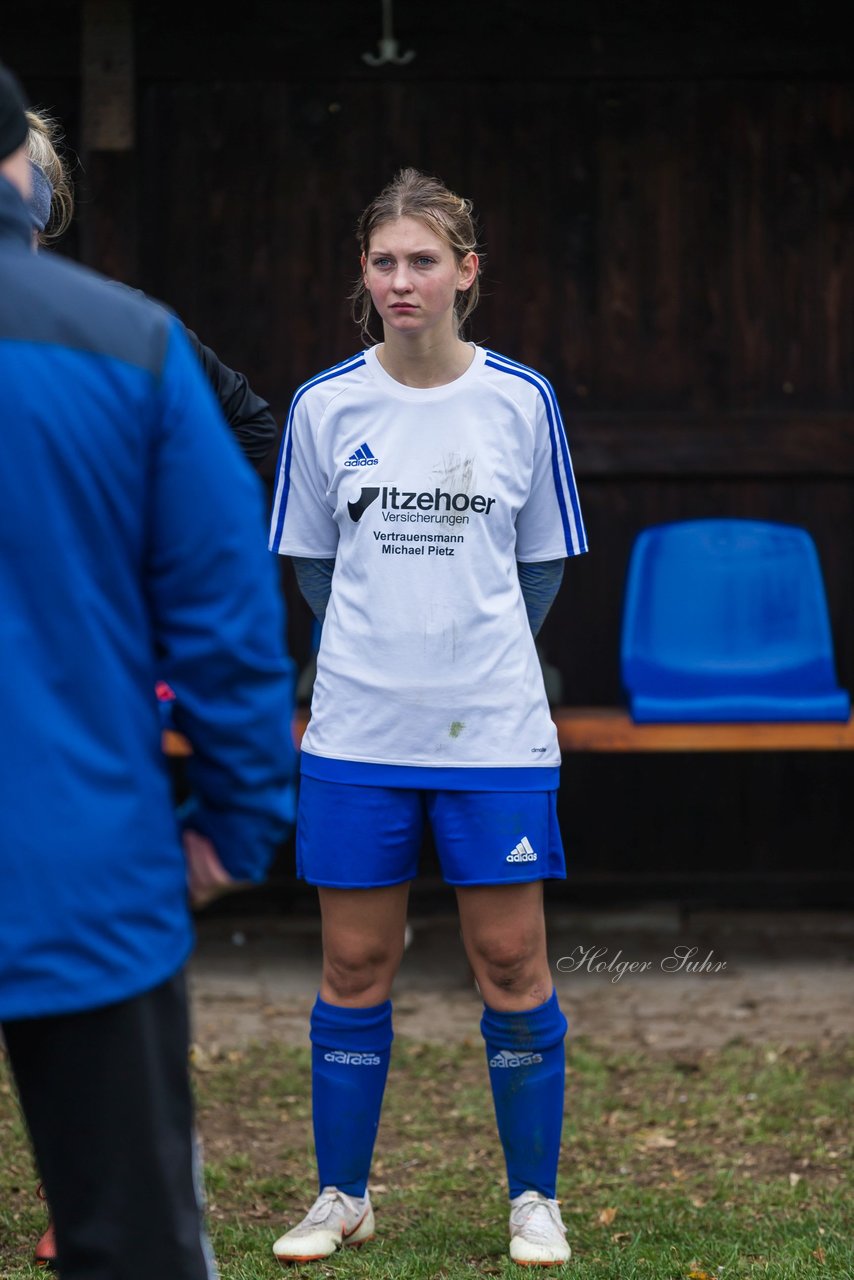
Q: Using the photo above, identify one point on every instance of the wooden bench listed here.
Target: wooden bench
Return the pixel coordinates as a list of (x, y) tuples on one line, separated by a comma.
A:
[(610, 729)]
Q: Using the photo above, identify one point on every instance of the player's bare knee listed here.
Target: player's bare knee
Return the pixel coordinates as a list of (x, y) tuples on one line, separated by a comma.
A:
[(512, 965), (353, 974), (506, 965)]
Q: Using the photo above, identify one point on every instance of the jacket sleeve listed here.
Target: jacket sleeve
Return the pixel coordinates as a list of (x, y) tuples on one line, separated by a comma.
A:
[(218, 621), (249, 417)]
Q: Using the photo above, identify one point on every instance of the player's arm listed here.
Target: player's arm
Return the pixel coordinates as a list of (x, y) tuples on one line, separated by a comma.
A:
[(540, 583), (250, 418), (314, 579), (218, 624)]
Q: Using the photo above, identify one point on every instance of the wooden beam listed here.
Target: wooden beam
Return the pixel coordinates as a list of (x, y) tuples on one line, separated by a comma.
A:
[(737, 445), (107, 88), (611, 730), (108, 215)]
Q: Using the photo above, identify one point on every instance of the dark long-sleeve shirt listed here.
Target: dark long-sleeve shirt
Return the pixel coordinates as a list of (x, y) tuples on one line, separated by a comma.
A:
[(250, 418)]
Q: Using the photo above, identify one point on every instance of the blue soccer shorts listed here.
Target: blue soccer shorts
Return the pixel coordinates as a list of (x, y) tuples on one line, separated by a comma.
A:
[(351, 836)]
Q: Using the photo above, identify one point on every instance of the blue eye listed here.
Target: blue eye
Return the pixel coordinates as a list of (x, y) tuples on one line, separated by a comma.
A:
[(382, 262), (425, 261)]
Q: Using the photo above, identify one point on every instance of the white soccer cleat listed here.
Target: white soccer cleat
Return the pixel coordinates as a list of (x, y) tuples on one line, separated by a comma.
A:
[(537, 1233), (335, 1219)]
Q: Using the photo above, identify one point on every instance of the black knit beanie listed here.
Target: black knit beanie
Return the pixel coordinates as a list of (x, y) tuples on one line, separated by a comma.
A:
[(13, 122)]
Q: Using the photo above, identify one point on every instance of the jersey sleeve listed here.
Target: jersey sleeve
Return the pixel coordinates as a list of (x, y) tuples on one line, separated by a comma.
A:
[(549, 525), (303, 520)]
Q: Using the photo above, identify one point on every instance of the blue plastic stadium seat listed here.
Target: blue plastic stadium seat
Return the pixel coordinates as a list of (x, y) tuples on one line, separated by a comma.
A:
[(726, 620)]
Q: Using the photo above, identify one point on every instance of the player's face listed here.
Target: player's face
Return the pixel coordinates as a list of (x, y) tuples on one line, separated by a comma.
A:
[(413, 276)]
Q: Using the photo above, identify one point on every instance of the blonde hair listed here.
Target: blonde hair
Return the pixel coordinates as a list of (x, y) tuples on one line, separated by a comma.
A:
[(44, 148), (411, 194)]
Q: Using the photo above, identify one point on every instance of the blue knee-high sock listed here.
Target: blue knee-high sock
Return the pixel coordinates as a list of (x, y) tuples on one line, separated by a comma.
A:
[(349, 1064), (526, 1070)]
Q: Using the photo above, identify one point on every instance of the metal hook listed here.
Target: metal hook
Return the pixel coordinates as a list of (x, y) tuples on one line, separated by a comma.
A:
[(388, 46)]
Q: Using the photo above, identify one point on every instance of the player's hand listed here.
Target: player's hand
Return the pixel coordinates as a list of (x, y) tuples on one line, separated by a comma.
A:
[(207, 878)]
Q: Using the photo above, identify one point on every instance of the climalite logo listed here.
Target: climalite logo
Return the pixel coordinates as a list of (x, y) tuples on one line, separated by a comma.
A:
[(430, 505), (361, 458)]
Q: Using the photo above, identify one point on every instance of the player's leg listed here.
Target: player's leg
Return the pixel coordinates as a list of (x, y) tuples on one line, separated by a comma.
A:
[(93, 1087), (509, 840), (351, 1028), (524, 1030), (369, 837)]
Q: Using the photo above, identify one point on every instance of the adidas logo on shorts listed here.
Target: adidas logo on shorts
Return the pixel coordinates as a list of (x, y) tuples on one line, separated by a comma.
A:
[(522, 853), (504, 1058)]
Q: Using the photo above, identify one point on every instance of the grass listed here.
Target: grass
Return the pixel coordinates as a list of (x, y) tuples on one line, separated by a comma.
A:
[(732, 1165)]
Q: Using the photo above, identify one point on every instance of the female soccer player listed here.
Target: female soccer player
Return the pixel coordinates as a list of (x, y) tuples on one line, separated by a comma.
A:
[(426, 494)]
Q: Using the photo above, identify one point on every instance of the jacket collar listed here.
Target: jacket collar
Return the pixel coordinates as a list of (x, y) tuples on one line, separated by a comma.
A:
[(15, 221)]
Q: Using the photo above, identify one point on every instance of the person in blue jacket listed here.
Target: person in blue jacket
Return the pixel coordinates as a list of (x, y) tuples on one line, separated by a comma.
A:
[(130, 548), (250, 418)]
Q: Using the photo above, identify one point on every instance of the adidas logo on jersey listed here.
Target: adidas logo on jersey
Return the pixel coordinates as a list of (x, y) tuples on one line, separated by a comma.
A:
[(361, 458), (504, 1058), (522, 853), (348, 1059)]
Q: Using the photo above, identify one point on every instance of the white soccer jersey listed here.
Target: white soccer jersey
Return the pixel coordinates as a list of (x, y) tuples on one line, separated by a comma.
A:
[(427, 673)]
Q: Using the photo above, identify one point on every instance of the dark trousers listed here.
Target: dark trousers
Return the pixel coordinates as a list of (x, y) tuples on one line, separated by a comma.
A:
[(106, 1096)]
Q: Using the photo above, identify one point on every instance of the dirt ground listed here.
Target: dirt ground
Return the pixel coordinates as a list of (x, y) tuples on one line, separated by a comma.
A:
[(659, 979)]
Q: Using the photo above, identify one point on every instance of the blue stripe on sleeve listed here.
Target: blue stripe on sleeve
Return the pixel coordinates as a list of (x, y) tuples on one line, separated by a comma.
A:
[(285, 449), (574, 535)]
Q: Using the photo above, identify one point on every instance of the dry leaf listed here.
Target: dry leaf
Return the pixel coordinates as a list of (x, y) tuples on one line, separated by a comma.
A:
[(619, 1236), (794, 1179), (701, 1275), (605, 1217), (819, 1254), (654, 1139)]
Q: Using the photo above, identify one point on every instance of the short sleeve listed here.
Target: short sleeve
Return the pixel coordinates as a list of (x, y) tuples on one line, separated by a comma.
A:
[(303, 520), (549, 525)]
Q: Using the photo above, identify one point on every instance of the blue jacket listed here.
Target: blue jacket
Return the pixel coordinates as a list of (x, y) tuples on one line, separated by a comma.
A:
[(132, 548)]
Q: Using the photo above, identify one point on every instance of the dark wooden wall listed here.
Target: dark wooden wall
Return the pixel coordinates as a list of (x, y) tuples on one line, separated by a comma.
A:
[(665, 195)]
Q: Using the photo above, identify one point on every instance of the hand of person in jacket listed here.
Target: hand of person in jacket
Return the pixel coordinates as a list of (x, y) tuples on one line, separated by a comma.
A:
[(207, 878)]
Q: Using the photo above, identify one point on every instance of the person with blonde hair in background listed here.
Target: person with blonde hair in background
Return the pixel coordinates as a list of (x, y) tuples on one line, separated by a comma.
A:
[(52, 198)]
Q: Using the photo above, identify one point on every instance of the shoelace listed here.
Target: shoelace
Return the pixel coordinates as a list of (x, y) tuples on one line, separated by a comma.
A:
[(326, 1204), (538, 1219), (322, 1207)]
